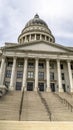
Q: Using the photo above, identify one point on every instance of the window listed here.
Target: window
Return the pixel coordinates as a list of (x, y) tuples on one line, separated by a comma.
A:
[(52, 65), (50, 39), (30, 65), (71, 66), (51, 76), (43, 37), (63, 77), (61, 66), (8, 73), (37, 37), (20, 64), (18, 85), (32, 37), (10, 64), (41, 65), (41, 75), (19, 74), (30, 74), (72, 75)]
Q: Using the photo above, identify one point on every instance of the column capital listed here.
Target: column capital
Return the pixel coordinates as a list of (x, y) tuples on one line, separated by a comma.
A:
[(47, 59), (68, 61), (36, 58), (15, 57)]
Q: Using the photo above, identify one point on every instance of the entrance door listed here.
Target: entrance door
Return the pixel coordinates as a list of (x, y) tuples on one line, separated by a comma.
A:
[(64, 88), (52, 87), (41, 86), (30, 86)]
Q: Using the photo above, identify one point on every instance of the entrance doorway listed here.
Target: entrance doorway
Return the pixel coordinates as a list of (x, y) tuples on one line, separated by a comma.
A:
[(52, 87), (29, 86), (64, 87), (41, 86)]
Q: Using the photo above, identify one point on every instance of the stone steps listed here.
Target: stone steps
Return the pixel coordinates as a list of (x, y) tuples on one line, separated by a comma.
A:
[(33, 109), (58, 110), (9, 106)]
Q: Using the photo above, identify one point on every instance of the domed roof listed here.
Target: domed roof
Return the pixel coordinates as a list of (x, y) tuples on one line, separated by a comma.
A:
[(36, 21)]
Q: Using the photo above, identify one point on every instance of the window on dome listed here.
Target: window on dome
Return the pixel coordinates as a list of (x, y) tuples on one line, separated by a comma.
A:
[(50, 39), (27, 37), (32, 37), (37, 37), (47, 38), (43, 37)]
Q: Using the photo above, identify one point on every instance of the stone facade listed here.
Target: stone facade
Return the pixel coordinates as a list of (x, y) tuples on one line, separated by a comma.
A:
[(36, 63)]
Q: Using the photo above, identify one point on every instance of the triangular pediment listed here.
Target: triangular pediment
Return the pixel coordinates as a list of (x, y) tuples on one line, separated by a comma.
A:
[(42, 46)]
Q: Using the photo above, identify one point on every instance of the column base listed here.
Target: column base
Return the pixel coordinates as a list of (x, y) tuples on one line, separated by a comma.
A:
[(71, 90), (35, 89), (48, 89), (60, 90), (11, 88)]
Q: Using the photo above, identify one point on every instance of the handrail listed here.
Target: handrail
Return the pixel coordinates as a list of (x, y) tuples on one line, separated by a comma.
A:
[(68, 104), (21, 104), (46, 106), (63, 100)]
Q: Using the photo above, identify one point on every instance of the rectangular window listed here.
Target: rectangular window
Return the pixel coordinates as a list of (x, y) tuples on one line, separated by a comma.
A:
[(52, 65), (19, 74), (9, 64), (63, 77), (41, 65), (41, 75), (61, 66), (20, 64), (18, 85), (71, 66), (30, 75), (51, 76), (30, 65), (8, 73)]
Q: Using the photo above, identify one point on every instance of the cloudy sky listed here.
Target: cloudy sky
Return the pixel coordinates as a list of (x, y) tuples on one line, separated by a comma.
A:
[(58, 14)]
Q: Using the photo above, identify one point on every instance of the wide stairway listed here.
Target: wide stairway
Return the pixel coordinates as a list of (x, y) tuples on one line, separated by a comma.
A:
[(60, 111), (9, 106), (33, 109), (35, 106)]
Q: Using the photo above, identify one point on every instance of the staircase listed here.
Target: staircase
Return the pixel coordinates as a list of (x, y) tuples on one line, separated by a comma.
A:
[(9, 106), (59, 111), (33, 109)]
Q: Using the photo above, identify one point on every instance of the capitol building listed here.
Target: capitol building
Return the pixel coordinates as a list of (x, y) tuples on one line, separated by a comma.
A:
[(36, 62)]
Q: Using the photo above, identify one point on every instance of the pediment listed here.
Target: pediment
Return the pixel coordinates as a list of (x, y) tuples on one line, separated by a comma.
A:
[(45, 47)]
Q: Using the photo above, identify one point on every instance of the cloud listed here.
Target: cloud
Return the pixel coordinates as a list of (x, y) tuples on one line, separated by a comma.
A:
[(57, 14)]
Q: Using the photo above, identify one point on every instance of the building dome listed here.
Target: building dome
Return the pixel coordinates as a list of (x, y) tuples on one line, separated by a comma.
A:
[(35, 30), (36, 21)]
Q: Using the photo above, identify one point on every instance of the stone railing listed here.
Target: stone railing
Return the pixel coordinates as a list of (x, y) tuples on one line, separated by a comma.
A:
[(64, 101)]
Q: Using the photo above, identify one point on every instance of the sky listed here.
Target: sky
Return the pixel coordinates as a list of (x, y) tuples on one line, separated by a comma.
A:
[(58, 14)]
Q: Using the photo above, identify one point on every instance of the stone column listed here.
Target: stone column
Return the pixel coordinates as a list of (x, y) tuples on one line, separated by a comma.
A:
[(24, 83), (36, 74), (2, 70), (35, 37), (70, 76), (12, 80), (59, 77), (40, 36), (48, 75)]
